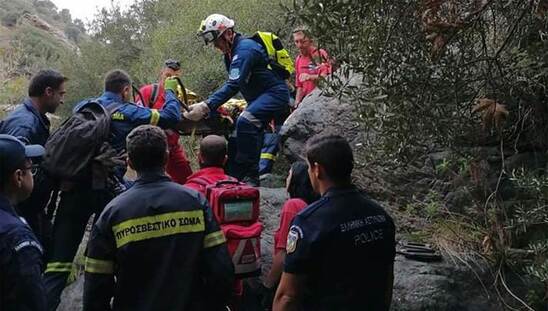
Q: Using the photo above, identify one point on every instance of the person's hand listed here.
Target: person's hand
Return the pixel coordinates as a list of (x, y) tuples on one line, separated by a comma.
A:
[(171, 84), (197, 112), (304, 77)]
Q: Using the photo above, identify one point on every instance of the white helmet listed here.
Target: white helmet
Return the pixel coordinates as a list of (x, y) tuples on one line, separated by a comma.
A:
[(214, 26)]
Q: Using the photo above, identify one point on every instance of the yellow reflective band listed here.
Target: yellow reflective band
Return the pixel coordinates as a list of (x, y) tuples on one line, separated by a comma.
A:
[(154, 116), (99, 266), (214, 239), (59, 267), (157, 226), (268, 156)]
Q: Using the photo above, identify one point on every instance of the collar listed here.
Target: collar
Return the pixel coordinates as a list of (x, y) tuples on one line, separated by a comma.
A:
[(152, 176), (30, 107), (208, 171), (6, 206), (336, 191), (112, 96), (237, 38)]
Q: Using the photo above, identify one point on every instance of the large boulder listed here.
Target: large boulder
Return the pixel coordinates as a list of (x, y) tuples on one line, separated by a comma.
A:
[(319, 113)]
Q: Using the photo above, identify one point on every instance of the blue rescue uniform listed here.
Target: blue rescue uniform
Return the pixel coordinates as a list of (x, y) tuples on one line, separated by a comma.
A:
[(344, 246), (32, 127), (78, 204), (21, 287), (267, 96)]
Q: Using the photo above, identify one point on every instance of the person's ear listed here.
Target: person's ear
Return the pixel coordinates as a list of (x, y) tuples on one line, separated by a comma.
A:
[(48, 91), (225, 160), (318, 171), (18, 176)]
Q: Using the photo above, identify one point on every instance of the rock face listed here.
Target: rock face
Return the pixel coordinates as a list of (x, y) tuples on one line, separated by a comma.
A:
[(319, 114)]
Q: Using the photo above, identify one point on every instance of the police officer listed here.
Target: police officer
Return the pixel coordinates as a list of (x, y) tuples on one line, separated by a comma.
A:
[(340, 249), (266, 93), (156, 246), (29, 122), (21, 287), (79, 201)]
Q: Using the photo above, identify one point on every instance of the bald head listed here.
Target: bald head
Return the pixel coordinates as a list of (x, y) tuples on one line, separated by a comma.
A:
[(213, 151)]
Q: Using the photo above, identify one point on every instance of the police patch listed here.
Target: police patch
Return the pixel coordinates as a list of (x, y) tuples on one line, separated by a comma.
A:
[(295, 233), (234, 74)]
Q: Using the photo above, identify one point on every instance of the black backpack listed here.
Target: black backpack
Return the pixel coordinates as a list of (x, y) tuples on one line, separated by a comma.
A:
[(73, 147)]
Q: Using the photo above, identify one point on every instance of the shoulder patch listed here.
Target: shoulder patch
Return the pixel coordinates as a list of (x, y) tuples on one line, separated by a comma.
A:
[(295, 234), (234, 73), (28, 243)]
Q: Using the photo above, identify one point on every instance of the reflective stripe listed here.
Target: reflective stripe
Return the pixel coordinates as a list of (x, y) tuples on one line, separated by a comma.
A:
[(156, 226), (59, 267), (99, 266), (251, 118), (154, 116), (214, 239), (268, 156)]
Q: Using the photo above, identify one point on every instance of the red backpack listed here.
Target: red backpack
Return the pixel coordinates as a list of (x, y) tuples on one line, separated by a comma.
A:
[(235, 206)]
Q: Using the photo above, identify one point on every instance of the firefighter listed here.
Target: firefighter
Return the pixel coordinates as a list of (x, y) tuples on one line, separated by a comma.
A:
[(267, 93), (157, 246)]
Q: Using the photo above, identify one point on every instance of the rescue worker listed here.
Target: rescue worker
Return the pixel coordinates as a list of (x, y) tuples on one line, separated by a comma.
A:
[(29, 123), (79, 201), (266, 93), (212, 159), (156, 246), (21, 266), (341, 248), (178, 166), (311, 64)]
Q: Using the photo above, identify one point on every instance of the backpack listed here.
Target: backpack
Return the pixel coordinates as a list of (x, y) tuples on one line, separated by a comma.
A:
[(279, 59), (71, 149), (235, 206), (154, 95)]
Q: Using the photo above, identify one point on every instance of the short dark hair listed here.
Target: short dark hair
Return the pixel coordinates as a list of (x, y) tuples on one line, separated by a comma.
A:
[(304, 29), (44, 79), (116, 80), (146, 147), (299, 185), (334, 154), (213, 151)]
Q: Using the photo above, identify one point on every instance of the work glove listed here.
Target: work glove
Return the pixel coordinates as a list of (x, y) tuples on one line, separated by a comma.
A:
[(171, 84), (197, 112)]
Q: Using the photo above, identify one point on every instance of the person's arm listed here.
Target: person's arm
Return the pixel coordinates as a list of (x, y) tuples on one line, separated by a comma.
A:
[(276, 270), (238, 73), (167, 117), (217, 268), (288, 293), (99, 268), (26, 269), (298, 97)]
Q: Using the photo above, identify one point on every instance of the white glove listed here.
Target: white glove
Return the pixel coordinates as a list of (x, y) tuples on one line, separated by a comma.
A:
[(197, 112)]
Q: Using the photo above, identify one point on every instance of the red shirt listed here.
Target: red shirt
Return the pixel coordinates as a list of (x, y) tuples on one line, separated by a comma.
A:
[(146, 91), (291, 208), (315, 64), (210, 174)]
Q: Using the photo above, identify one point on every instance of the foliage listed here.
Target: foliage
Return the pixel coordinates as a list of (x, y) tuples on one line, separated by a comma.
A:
[(439, 74)]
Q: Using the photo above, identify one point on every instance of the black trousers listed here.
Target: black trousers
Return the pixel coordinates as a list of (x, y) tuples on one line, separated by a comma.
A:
[(73, 213)]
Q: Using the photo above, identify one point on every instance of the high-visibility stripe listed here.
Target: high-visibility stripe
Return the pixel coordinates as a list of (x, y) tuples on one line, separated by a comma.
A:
[(154, 116), (268, 156), (156, 226), (59, 267), (214, 239), (99, 266)]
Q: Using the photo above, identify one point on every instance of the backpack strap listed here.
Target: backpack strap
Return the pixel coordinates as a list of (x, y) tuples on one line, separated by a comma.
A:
[(153, 95)]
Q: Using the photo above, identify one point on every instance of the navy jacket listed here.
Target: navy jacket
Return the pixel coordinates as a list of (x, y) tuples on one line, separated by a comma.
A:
[(157, 247), (25, 121), (21, 266), (344, 245), (248, 74)]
